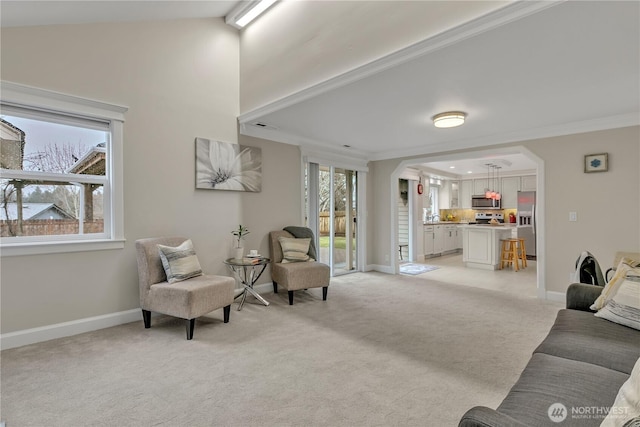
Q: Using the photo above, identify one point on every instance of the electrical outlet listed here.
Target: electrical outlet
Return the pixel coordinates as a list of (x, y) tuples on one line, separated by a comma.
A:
[(573, 216)]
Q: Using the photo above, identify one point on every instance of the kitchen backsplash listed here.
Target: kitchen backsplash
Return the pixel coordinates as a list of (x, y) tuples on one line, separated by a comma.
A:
[(469, 215)]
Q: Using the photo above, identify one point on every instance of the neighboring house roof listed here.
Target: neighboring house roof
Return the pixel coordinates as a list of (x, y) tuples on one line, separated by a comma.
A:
[(34, 211), (92, 163)]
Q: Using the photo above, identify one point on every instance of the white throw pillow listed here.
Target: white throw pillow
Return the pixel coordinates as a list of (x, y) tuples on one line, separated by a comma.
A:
[(624, 307), (625, 267), (180, 263), (627, 403)]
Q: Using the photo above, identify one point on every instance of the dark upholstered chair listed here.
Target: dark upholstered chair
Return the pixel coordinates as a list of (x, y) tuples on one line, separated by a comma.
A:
[(187, 299), (294, 276)]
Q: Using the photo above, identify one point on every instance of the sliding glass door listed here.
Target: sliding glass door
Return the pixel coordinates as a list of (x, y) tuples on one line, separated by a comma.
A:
[(332, 201)]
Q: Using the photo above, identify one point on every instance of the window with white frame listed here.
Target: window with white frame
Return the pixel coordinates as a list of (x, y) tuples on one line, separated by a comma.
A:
[(60, 171)]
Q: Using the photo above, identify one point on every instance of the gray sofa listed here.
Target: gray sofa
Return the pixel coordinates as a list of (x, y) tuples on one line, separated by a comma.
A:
[(581, 364)]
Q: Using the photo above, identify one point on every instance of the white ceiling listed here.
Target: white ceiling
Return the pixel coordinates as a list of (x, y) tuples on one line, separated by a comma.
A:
[(52, 12), (529, 70), (558, 68)]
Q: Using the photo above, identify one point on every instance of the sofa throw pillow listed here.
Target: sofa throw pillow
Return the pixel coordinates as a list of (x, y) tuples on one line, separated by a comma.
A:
[(625, 267), (624, 307), (180, 263), (626, 407), (294, 250)]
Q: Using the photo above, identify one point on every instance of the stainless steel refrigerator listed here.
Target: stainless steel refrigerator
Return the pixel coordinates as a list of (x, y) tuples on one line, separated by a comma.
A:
[(527, 220)]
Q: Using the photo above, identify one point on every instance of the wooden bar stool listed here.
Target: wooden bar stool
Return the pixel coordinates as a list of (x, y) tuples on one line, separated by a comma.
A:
[(522, 252), (509, 253)]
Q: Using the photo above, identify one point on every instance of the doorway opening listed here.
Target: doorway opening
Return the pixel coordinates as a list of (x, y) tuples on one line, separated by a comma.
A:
[(415, 244)]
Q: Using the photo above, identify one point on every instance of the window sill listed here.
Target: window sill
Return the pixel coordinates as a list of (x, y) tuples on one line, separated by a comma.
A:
[(40, 248)]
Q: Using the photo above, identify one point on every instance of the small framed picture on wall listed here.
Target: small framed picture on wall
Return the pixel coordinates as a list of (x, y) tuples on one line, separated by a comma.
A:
[(596, 163)]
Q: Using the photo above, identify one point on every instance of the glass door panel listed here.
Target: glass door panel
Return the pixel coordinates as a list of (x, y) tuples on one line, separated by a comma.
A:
[(337, 214)]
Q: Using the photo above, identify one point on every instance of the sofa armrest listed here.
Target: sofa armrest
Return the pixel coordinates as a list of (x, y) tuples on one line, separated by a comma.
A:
[(481, 416), (580, 296)]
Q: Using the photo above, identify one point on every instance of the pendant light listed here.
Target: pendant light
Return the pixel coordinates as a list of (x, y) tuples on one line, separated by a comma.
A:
[(498, 196), (493, 178), (487, 193)]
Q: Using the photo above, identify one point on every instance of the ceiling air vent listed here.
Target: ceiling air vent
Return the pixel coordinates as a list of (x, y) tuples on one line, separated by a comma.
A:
[(263, 125)]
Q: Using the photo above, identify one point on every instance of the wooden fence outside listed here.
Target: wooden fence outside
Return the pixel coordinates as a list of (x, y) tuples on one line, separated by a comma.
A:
[(49, 227), (340, 222)]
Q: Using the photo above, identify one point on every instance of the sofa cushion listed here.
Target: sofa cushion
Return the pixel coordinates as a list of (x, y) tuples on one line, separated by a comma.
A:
[(579, 335), (301, 275), (549, 380)]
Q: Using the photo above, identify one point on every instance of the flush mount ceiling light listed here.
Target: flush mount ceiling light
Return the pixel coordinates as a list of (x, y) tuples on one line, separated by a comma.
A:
[(450, 119), (246, 12)]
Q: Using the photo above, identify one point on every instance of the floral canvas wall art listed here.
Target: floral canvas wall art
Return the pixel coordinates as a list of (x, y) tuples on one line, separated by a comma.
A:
[(226, 166)]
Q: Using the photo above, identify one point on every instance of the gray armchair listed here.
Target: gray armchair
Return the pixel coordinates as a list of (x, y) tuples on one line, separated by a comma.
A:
[(187, 299), (294, 276)]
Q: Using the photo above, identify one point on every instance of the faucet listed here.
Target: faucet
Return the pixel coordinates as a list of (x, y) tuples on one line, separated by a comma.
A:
[(433, 218)]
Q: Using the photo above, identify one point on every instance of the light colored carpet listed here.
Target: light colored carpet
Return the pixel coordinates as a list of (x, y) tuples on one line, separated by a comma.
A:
[(381, 351)]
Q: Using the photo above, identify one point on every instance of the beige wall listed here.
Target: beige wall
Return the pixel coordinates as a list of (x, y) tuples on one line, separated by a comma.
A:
[(608, 204), (180, 80), (274, 64)]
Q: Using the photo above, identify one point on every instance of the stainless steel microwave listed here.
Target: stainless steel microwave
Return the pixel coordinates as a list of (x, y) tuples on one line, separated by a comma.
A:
[(481, 202)]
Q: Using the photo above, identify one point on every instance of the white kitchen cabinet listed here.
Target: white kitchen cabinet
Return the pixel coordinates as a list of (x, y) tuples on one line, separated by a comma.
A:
[(458, 238), (438, 239), (428, 240), (509, 192), (479, 186), (449, 238), (444, 195), (528, 183), (481, 246), (466, 191), (454, 195)]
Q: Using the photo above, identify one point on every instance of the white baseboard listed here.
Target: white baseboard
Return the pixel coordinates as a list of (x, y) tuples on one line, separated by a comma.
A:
[(381, 268), (75, 327), (556, 296), (65, 329)]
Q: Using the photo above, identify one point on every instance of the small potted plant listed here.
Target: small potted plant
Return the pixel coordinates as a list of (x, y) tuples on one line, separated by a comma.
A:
[(239, 234)]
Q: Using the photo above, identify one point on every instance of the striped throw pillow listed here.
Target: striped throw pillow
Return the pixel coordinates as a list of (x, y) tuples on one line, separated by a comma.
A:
[(624, 307), (180, 263), (294, 250)]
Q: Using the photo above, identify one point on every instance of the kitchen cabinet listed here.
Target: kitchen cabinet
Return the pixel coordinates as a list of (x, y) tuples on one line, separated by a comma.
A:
[(479, 186), (449, 238), (438, 239), (444, 195), (481, 246), (454, 194), (466, 191), (428, 240), (458, 238), (509, 192), (448, 195), (528, 183)]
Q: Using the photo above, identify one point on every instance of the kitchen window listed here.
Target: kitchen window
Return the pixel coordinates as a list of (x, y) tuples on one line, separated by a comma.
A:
[(60, 172)]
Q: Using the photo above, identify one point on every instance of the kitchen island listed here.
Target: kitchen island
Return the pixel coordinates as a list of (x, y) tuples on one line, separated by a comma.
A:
[(481, 245)]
